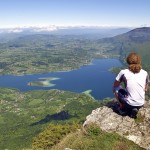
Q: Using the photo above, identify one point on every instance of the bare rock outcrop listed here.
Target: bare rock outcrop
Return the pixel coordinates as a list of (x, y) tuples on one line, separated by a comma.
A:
[(136, 130)]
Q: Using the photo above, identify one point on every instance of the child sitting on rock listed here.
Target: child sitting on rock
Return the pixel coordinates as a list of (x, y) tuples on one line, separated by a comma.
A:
[(135, 80)]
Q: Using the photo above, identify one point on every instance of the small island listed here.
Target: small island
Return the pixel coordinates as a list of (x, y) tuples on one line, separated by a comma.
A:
[(88, 92), (44, 82)]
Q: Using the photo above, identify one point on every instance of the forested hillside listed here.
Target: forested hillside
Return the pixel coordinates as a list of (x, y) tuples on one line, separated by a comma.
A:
[(25, 115), (137, 40)]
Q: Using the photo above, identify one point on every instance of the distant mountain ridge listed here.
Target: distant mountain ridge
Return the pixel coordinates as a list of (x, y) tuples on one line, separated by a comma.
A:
[(91, 32), (137, 40), (142, 33), (137, 34), (7, 34), (53, 28), (142, 29)]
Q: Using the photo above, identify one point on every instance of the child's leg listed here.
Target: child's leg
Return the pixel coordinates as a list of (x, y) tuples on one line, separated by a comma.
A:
[(117, 96)]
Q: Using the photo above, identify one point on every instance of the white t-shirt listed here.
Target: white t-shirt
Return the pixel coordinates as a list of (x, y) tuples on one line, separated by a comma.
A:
[(135, 85)]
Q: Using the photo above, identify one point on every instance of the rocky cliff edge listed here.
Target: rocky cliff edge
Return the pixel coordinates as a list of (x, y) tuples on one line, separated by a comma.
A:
[(136, 130)]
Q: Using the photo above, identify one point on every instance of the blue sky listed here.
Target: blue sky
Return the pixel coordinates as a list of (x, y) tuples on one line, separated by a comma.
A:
[(131, 13)]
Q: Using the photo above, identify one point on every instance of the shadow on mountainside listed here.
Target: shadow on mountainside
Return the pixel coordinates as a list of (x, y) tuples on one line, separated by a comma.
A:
[(63, 115)]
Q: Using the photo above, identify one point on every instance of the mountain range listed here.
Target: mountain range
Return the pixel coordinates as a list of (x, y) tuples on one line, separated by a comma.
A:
[(89, 31)]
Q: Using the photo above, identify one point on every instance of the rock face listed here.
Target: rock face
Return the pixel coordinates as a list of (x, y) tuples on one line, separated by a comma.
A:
[(137, 130)]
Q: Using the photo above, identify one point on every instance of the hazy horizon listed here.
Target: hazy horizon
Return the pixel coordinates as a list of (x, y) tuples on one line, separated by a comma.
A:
[(69, 26)]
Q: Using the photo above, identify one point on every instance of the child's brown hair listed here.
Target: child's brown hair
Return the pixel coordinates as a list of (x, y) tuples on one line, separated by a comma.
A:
[(134, 62)]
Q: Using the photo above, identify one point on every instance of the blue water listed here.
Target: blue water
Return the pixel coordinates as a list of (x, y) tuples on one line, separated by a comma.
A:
[(95, 77)]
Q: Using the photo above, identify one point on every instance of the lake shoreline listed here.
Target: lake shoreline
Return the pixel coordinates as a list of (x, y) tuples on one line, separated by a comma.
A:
[(95, 76)]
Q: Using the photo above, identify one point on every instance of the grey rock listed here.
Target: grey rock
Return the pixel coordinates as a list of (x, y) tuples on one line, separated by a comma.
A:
[(110, 121)]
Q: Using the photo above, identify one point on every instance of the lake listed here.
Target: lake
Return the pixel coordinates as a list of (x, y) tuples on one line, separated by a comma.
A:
[(94, 78)]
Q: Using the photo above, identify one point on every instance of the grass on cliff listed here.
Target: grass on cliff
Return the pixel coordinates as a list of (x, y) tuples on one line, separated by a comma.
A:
[(95, 139)]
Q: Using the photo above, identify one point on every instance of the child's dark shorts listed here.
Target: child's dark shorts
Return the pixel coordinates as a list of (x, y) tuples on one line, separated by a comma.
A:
[(122, 95)]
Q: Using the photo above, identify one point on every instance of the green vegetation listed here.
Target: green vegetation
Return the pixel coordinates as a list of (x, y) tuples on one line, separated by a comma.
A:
[(95, 139), (46, 119), (139, 118), (24, 115), (137, 40), (48, 53), (52, 135), (115, 70)]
